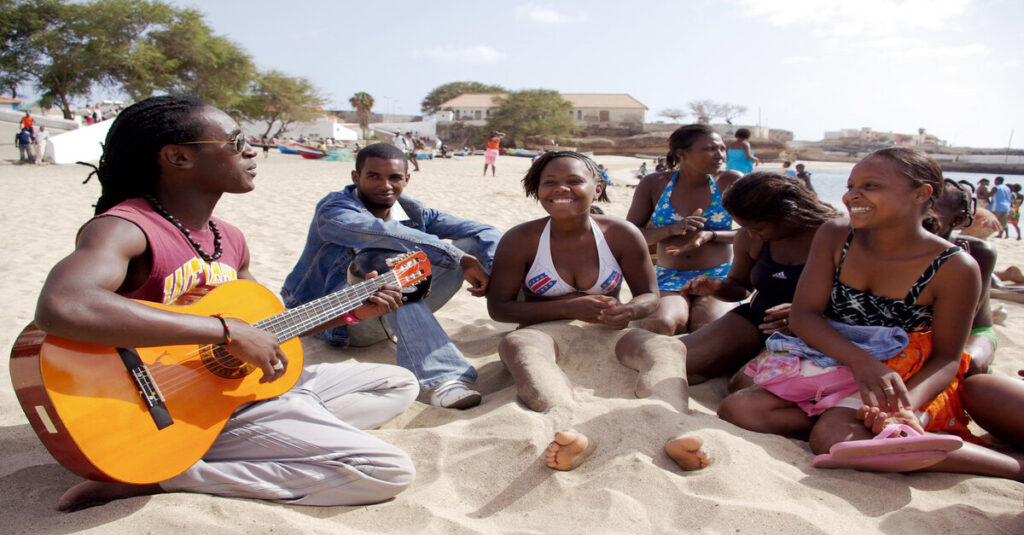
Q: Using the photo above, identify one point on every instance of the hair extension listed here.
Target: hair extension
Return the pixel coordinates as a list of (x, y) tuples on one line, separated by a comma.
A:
[(771, 197), (128, 167)]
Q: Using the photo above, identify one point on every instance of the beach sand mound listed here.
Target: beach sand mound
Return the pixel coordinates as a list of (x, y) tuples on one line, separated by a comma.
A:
[(482, 470)]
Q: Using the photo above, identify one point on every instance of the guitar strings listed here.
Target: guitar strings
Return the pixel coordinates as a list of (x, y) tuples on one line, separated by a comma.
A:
[(180, 377), (285, 326)]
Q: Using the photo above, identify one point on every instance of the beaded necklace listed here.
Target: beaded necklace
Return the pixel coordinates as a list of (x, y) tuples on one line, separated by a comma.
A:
[(217, 249)]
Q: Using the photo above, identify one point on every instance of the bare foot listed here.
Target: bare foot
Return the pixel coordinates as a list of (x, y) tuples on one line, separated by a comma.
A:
[(568, 450), (688, 452), (1011, 274), (92, 493), (661, 361)]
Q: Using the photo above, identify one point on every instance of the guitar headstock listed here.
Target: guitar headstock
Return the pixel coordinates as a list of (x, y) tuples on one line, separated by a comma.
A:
[(411, 268)]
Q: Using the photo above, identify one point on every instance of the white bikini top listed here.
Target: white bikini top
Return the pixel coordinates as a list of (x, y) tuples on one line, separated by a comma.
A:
[(542, 278)]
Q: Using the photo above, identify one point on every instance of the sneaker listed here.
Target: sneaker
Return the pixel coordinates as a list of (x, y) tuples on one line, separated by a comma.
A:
[(454, 394)]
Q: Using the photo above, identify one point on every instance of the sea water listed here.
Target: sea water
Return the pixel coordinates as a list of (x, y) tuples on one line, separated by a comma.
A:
[(830, 184)]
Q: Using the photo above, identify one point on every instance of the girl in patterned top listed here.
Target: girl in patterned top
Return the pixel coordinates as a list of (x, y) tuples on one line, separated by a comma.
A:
[(883, 267), (681, 212)]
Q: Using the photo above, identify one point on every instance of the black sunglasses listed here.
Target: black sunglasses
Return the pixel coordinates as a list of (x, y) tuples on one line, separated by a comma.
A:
[(237, 142)]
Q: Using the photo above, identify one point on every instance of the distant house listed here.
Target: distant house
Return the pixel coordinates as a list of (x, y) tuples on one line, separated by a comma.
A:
[(587, 108), (8, 102), (870, 135)]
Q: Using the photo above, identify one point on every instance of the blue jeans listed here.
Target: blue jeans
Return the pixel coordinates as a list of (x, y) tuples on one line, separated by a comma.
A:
[(423, 346)]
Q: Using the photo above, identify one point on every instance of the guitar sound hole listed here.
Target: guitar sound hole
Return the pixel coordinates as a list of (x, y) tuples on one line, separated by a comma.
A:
[(224, 364)]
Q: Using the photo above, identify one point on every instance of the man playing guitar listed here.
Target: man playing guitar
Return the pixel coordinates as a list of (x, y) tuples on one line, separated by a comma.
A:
[(167, 161)]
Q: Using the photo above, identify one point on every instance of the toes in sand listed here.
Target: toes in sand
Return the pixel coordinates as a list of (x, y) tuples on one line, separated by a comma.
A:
[(568, 450), (688, 452)]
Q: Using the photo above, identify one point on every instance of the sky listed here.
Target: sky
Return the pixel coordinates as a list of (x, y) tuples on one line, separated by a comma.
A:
[(952, 67)]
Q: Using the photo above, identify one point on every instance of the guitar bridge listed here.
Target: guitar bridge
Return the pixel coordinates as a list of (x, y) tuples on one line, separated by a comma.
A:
[(148, 389)]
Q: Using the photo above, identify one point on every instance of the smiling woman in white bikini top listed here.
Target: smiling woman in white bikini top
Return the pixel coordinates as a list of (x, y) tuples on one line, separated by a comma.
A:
[(542, 278)]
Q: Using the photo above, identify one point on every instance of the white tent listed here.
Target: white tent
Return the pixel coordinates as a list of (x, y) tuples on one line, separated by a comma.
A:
[(81, 145), (343, 133)]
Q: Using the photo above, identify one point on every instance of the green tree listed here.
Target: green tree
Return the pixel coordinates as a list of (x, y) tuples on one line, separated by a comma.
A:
[(21, 21), (276, 97), (68, 66), (187, 58), (362, 102), (432, 102), (532, 114)]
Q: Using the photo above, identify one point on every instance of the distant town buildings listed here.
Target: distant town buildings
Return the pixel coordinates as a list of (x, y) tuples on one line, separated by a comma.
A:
[(867, 134), (8, 102), (587, 108)]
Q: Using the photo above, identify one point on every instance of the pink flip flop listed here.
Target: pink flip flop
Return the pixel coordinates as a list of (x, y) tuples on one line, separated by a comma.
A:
[(906, 452)]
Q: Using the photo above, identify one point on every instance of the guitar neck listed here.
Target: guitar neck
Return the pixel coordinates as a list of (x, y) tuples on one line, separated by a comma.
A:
[(308, 316)]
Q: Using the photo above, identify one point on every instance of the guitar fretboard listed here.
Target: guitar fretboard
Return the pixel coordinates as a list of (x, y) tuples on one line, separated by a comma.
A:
[(308, 316)]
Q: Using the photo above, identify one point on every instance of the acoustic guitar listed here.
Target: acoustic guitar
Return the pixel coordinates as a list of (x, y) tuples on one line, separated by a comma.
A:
[(144, 415)]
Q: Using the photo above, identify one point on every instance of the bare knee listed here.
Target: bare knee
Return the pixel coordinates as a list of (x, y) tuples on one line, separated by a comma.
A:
[(659, 325), (736, 409)]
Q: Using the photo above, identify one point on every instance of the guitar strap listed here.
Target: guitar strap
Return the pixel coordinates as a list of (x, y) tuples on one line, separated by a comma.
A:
[(148, 389)]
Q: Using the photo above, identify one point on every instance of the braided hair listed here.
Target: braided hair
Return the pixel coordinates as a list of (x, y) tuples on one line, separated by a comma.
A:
[(683, 138), (128, 167), (772, 197), (531, 182)]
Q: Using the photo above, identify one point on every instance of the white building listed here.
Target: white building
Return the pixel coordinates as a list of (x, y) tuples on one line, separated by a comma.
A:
[(587, 108)]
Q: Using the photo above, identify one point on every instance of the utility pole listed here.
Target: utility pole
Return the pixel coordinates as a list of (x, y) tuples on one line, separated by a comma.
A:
[(1008, 143)]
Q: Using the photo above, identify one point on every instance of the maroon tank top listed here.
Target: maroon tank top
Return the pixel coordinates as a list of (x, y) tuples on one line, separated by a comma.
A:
[(177, 269)]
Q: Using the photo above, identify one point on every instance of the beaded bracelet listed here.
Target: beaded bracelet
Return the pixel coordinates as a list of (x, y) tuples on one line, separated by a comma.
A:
[(227, 331), (350, 319)]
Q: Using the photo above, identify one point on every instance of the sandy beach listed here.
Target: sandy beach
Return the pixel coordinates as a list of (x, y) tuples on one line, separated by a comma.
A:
[(482, 470)]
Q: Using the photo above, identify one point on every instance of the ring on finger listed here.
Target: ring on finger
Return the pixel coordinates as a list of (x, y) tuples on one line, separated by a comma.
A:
[(278, 366)]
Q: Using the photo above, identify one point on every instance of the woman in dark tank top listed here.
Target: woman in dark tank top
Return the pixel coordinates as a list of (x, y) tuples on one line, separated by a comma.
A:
[(779, 216)]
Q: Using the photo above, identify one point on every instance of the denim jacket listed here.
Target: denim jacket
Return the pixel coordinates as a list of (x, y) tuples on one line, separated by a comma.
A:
[(342, 226)]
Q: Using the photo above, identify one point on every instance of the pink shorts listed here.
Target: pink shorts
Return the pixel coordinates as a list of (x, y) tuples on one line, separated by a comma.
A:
[(490, 156)]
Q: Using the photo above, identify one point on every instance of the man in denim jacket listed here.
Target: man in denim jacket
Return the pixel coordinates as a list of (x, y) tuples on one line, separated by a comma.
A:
[(354, 230)]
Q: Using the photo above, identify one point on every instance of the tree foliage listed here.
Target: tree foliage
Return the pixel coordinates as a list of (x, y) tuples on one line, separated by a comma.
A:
[(532, 114), (142, 47), (673, 113), (432, 102), (706, 110), (276, 98), (20, 24), (362, 102)]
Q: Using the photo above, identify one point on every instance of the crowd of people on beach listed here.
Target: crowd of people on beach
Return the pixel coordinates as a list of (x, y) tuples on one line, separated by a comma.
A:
[(869, 335)]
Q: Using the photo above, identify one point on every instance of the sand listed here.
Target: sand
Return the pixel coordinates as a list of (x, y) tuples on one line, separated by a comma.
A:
[(482, 470)]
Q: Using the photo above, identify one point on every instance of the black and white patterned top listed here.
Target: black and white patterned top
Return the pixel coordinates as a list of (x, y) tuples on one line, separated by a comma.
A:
[(857, 307)]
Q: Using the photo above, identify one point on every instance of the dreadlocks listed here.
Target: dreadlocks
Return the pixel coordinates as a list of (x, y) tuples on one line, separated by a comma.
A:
[(128, 167)]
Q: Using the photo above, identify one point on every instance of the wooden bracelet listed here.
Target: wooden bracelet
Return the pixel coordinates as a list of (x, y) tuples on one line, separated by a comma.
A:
[(227, 330)]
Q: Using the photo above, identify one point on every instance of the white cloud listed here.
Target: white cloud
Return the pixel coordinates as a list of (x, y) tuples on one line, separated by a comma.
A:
[(471, 54), (545, 15), (948, 52), (797, 60), (864, 18)]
